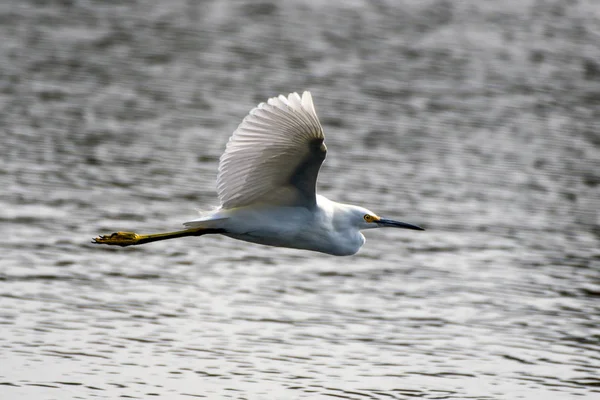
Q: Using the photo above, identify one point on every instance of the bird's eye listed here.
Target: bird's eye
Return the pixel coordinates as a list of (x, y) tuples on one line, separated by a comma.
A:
[(368, 218)]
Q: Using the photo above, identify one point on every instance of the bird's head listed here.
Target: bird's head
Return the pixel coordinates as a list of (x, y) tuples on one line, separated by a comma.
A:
[(366, 219)]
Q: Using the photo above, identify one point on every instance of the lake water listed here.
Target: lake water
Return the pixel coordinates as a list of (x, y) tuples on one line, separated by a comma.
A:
[(478, 120)]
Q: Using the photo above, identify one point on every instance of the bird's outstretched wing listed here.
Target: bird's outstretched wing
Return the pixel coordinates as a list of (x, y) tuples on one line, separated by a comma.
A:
[(274, 155)]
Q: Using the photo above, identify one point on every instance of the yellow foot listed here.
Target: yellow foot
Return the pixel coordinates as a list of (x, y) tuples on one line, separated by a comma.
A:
[(119, 239)]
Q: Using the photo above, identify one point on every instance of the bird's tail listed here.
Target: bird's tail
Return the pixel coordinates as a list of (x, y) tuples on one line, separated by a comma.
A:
[(209, 221)]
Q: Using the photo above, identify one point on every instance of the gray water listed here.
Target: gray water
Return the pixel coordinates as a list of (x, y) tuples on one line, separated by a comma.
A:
[(477, 120)]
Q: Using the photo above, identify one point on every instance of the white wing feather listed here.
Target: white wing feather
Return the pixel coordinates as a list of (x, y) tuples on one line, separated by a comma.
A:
[(274, 155)]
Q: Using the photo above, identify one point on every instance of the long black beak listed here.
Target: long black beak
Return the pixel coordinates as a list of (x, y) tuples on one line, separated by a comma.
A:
[(384, 222)]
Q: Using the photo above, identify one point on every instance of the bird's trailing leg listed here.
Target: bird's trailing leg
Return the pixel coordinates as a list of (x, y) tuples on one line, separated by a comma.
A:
[(124, 239)]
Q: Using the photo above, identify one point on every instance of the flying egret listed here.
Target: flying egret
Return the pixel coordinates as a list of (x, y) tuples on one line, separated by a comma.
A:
[(267, 188)]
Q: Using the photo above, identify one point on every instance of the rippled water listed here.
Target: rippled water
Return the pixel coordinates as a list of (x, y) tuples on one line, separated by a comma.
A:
[(479, 121)]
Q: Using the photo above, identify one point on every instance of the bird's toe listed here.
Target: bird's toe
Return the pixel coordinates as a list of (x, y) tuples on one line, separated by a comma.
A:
[(118, 239)]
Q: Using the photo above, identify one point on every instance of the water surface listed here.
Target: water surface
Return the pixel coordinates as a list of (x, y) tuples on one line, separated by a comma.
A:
[(476, 120)]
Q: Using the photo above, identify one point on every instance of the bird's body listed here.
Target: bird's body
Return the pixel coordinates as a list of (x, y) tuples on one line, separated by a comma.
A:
[(323, 228), (267, 188)]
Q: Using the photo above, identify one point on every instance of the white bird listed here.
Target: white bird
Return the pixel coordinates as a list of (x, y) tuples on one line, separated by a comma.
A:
[(267, 188)]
